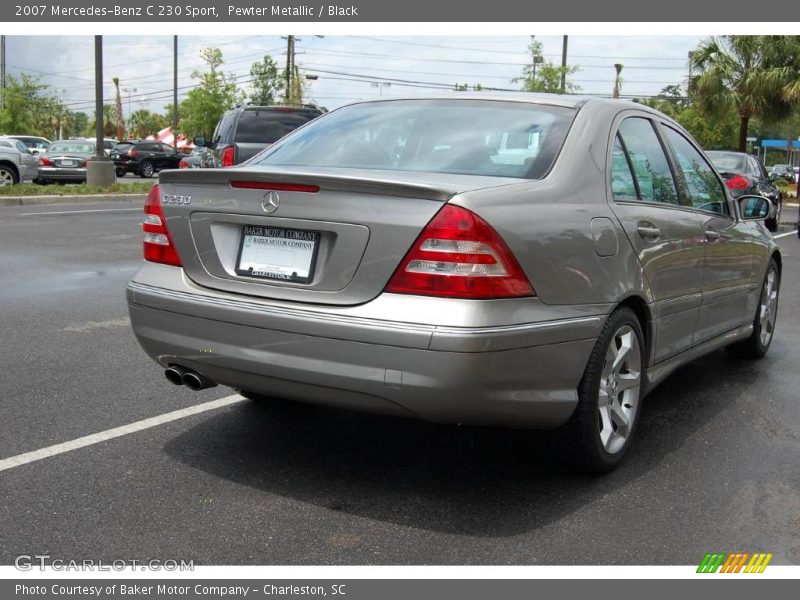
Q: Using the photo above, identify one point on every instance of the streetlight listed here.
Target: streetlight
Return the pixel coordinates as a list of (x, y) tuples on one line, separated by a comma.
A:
[(380, 86), (129, 91)]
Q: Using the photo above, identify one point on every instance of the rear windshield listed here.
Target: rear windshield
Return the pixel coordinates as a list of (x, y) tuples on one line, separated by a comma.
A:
[(270, 125), (79, 147), (727, 161), (476, 137)]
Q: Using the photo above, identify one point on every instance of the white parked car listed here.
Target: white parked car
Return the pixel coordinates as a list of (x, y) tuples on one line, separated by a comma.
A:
[(17, 164)]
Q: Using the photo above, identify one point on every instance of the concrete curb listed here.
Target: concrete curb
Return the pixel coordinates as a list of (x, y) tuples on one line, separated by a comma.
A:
[(75, 199)]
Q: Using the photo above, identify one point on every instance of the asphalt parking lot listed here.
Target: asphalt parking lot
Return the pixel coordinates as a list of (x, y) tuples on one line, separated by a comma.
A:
[(715, 467)]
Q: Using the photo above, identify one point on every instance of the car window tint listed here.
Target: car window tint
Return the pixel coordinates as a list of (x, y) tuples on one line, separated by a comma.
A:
[(653, 174), (623, 186), (703, 188), (22, 147), (268, 126), (5, 144)]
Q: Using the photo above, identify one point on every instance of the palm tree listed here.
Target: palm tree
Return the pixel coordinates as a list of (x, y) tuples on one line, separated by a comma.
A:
[(756, 75), (617, 80), (119, 118)]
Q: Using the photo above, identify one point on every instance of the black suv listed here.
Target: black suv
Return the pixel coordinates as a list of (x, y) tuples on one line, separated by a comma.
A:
[(143, 157), (244, 131)]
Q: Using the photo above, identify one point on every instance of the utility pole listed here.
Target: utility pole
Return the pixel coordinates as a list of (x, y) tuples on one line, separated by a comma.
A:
[(2, 71), (99, 169), (175, 92), (564, 66), (289, 68)]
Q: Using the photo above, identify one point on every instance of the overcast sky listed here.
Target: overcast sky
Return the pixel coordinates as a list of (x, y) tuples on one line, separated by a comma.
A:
[(349, 67)]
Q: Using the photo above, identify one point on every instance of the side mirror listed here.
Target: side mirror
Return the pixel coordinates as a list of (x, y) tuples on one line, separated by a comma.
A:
[(199, 140), (755, 208)]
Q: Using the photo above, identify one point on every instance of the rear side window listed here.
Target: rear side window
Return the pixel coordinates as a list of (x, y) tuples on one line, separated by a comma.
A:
[(623, 184), (702, 185), (225, 127), (653, 176), (474, 137), (268, 126)]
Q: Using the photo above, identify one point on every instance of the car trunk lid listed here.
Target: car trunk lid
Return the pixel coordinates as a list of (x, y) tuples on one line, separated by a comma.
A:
[(361, 224)]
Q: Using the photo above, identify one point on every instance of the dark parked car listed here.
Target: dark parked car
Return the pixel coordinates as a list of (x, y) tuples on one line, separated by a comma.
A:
[(744, 174), (143, 157), (65, 161), (244, 131)]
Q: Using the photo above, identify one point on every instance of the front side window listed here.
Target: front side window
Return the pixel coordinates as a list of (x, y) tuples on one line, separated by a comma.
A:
[(703, 187), (646, 156), (475, 137)]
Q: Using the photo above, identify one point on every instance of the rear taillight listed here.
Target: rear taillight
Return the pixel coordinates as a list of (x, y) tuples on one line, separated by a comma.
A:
[(133, 153), (45, 162), (228, 156), (82, 164), (158, 246), (183, 164), (737, 182), (459, 255)]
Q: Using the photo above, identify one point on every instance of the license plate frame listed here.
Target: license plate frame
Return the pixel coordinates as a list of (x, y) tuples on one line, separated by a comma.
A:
[(268, 232)]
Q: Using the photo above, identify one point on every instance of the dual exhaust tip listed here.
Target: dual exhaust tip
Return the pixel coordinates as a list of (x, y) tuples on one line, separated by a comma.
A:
[(191, 379)]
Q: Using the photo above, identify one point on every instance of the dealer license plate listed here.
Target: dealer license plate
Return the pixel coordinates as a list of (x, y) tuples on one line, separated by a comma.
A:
[(277, 253)]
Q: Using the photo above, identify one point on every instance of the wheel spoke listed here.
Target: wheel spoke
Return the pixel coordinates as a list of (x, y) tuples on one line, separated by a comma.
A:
[(620, 419), (627, 381), (606, 430), (621, 353)]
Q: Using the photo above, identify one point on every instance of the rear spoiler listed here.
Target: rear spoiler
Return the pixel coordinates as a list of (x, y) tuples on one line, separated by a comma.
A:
[(438, 187)]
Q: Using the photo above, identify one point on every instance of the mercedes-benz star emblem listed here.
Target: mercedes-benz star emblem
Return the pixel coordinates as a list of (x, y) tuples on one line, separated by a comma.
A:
[(271, 202)]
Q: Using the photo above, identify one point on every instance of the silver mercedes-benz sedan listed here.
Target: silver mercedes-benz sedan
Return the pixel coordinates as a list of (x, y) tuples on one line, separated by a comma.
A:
[(521, 261)]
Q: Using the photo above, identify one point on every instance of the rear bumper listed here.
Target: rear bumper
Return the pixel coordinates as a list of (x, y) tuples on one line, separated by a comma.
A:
[(521, 374), (62, 174)]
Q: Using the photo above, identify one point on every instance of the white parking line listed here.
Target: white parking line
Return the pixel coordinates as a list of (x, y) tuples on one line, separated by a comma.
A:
[(780, 235), (109, 434), (74, 212)]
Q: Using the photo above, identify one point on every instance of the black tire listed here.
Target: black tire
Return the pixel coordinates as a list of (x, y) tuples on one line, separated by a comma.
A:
[(120, 172), (8, 176), (580, 438), (757, 345), (774, 223), (146, 169)]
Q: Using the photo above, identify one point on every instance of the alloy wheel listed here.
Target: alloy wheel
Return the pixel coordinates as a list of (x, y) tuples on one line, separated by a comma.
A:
[(6, 177), (768, 310), (620, 382)]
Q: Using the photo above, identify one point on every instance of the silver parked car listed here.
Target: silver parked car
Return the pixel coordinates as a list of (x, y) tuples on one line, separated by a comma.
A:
[(522, 261), (17, 164)]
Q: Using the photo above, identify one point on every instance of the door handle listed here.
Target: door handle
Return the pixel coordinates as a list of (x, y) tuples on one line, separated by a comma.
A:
[(648, 231), (712, 235)]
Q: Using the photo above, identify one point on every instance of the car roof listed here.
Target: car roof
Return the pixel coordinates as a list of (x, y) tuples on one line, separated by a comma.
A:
[(565, 100)]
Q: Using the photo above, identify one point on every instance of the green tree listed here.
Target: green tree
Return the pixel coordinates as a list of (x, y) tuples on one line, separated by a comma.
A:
[(542, 75), (143, 123), (109, 123), (216, 93), (268, 83), (77, 122), (29, 107), (757, 76)]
